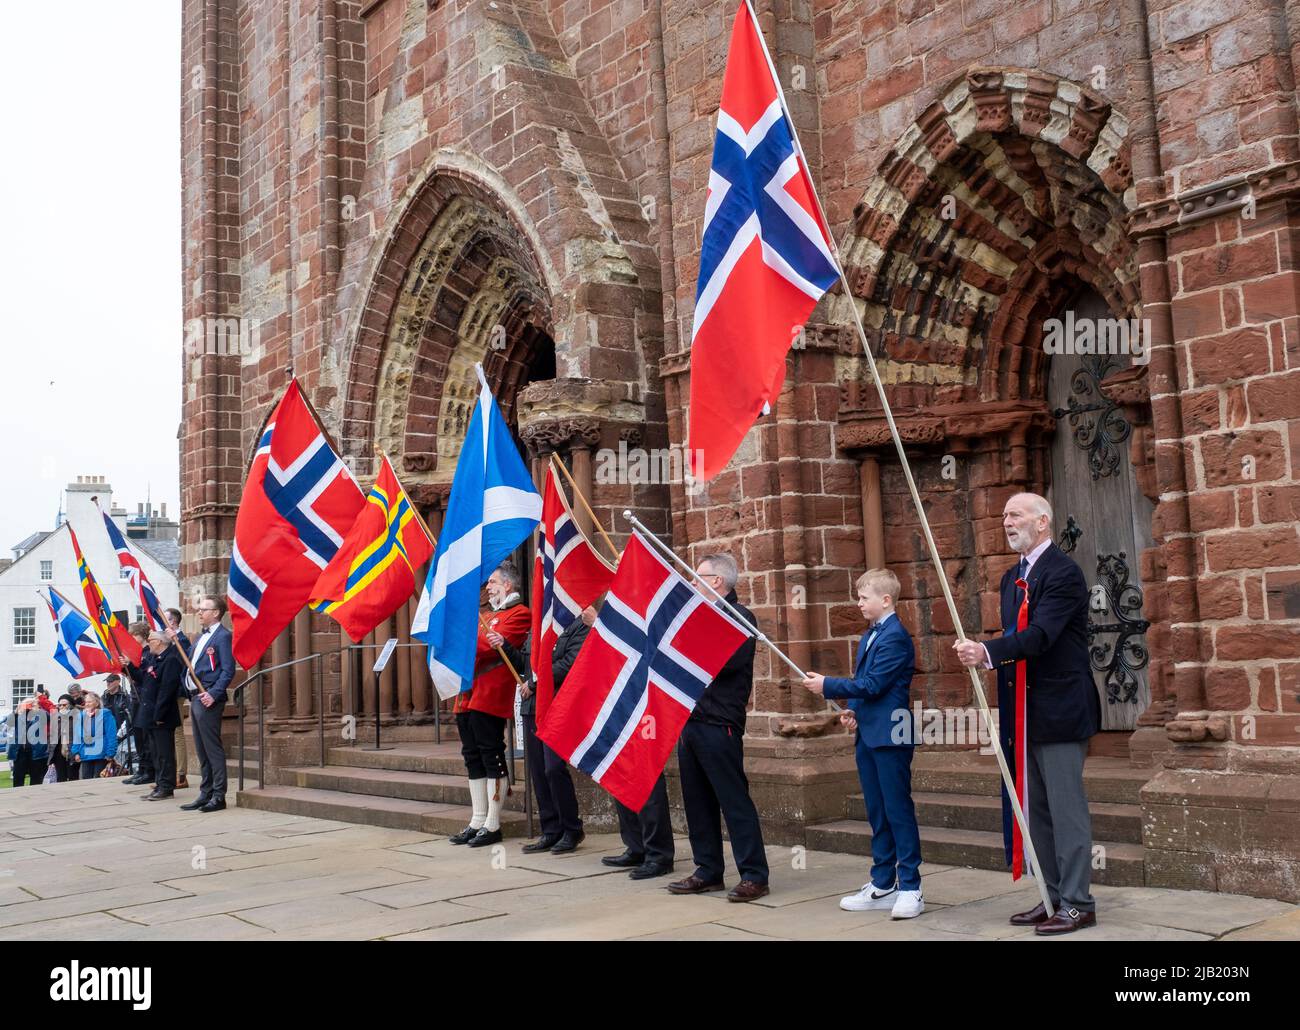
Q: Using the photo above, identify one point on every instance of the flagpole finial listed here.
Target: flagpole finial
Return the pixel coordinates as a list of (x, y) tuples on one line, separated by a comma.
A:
[(627, 514)]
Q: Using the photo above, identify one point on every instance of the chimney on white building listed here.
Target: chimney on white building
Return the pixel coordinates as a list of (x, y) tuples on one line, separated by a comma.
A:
[(81, 511)]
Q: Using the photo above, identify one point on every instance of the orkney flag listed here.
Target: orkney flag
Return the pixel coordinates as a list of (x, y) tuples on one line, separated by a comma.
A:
[(299, 501), (656, 645), (568, 575), (373, 573), (492, 508), (765, 256), (75, 646), (139, 581), (111, 634)]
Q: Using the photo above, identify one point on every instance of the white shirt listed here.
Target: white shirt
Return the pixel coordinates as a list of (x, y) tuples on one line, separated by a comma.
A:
[(875, 628), (1029, 558)]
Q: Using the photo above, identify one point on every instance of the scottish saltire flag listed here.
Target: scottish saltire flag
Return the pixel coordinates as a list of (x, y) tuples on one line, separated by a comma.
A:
[(299, 502), (765, 257), (656, 645), (76, 647), (139, 581), (568, 575), (373, 573), (492, 508), (111, 634)]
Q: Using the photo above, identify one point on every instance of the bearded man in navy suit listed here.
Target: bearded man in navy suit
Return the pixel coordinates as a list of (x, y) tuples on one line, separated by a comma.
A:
[(1045, 640)]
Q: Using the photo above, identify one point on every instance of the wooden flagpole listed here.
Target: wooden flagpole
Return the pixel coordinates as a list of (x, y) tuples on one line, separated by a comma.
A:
[(978, 686), (591, 514)]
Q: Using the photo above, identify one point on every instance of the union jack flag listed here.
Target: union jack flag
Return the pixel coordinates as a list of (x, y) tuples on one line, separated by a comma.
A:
[(765, 258), (299, 501), (569, 574), (656, 645)]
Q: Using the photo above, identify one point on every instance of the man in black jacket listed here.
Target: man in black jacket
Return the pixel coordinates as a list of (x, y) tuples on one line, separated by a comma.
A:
[(711, 758), (557, 803), (165, 714), (1045, 636), (143, 692)]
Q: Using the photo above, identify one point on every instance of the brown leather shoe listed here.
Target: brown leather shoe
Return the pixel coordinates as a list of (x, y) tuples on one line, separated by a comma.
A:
[(1036, 915), (1067, 920), (694, 885), (182, 783), (747, 890)]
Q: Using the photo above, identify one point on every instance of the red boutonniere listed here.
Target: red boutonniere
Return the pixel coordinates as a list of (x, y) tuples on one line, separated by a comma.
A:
[(212, 658)]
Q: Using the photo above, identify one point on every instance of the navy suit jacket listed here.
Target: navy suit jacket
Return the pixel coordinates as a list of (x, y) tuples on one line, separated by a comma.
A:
[(216, 669), (1061, 697), (879, 692)]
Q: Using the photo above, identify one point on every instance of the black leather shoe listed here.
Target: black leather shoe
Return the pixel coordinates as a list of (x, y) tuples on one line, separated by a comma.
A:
[(1066, 920), (569, 842), (627, 860), (215, 805), (194, 805), (484, 837), (137, 780), (1036, 915), (649, 870), (543, 843), (158, 795), (464, 837)]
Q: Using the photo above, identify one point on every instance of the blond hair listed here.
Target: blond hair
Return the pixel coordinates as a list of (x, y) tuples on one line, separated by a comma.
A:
[(881, 582)]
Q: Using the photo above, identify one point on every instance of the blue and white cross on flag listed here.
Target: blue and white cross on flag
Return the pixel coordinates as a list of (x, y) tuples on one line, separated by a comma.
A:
[(492, 509)]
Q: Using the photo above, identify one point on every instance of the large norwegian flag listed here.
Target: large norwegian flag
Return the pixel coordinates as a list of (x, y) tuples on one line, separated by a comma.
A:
[(656, 645), (765, 257), (568, 575), (299, 502)]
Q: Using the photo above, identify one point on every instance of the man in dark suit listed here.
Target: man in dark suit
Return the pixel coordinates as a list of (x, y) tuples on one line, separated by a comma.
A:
[(1045, 626), (557, 802), (214, 665), (711, 759), (165, 670)]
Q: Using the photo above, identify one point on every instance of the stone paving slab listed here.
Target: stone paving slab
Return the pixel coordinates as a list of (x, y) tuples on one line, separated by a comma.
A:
[(92, 862)]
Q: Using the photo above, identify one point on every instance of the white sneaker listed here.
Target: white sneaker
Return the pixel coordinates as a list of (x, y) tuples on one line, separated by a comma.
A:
[(868, 899), (909, 905)]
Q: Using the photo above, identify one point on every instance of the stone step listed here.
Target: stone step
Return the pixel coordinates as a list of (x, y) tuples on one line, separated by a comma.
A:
[(1119, 823), (438, 759), (978, 849), (432, 788), (1105, 780), (368, 810)]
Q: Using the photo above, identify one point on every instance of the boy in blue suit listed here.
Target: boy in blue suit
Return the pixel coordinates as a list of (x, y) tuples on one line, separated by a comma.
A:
[(878, 702)]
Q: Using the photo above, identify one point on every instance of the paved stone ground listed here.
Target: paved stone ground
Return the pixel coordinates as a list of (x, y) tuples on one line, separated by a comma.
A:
[(92, 861)]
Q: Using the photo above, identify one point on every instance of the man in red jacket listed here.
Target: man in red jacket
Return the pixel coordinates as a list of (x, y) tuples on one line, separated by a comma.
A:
[(482, 712)]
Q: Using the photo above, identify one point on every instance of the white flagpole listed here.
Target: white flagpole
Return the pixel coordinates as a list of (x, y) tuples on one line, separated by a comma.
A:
[(1007, 779)]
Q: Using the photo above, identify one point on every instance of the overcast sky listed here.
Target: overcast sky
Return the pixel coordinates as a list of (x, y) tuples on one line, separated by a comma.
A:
[(90, 289)]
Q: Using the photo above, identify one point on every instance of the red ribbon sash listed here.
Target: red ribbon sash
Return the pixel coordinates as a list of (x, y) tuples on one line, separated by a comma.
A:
[(1020, 742)]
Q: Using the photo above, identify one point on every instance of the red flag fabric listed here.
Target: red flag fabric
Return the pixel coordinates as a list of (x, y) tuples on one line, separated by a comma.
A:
[(113, 636), (568, 575), (299, 502), (765, 256), (656, 646), (373, 573)]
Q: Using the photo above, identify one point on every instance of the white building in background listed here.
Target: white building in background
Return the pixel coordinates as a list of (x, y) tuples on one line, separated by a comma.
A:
[(46, 559)]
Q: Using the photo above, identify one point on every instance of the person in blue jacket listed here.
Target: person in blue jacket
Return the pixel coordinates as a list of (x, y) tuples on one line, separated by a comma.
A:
[(878, 698), (94, 737), (29, 744)]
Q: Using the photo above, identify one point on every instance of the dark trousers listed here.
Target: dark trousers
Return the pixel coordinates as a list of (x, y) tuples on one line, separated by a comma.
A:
[(482, 744), (207, 742), (886, 777), (557, 804), (648, 833), (143, 753), (26, 768), (1060, 823), (91, 768), (712, 763), (164, 750), (60, 764)]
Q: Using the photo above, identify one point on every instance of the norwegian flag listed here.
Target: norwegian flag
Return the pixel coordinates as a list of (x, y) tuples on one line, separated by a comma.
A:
[(299, 502), (135, 574), (656, 645), (765, 256), (569, 574)]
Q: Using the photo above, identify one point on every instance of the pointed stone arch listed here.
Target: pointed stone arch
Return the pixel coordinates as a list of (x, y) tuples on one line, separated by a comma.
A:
[(997, 203)]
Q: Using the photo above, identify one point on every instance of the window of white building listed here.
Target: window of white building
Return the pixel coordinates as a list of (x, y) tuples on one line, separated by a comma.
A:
[(24, 627), (23, 689), (47, 571)]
